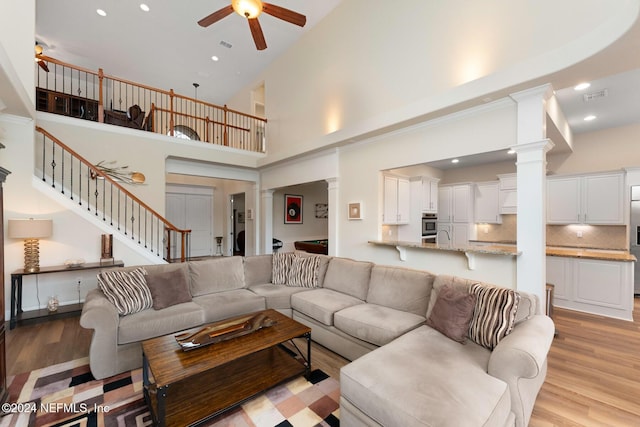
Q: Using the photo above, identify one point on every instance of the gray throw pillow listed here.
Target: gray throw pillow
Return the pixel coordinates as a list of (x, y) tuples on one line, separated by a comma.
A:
[(452, 313), (168, 288)]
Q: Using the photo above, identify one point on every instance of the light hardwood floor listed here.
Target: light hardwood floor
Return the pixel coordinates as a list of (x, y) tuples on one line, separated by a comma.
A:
[(593, 377)]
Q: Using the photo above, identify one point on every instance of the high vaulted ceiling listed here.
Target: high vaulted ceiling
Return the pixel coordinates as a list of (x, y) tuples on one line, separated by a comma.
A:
[(166, 48)]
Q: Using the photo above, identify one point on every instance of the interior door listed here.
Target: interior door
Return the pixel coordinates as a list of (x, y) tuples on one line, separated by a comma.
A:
[(193, 212)]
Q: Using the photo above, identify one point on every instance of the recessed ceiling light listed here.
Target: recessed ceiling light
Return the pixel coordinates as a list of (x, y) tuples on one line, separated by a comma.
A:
[(455, 161), (101, 12), (215, 58), (589, 118), (512, 151), (582, 86), (144, 7)]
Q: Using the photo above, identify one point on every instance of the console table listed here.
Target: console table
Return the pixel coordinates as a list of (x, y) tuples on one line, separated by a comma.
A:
[(19, 317)]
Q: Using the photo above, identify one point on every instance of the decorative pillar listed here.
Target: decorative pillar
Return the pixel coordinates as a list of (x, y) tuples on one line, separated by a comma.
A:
[(334, 208), (532, 147), (266, 221)]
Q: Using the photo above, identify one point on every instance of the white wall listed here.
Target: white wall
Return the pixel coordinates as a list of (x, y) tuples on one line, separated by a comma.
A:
[(368, 67)]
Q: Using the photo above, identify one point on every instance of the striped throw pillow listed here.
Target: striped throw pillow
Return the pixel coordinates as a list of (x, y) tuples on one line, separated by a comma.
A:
[(127, 290), (281, 264), (304, 272), (494, 314)]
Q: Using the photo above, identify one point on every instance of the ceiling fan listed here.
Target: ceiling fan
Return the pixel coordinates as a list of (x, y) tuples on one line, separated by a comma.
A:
[(39, 60), (251, 9)]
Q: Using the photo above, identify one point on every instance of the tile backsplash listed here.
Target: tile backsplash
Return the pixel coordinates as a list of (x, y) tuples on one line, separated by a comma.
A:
[(593, 236)]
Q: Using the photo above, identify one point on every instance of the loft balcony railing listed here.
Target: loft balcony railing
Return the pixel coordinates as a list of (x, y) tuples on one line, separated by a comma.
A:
[(103, 197), (93, 95)]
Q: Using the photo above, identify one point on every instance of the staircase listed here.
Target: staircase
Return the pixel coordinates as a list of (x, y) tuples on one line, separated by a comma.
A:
[(100, 197)]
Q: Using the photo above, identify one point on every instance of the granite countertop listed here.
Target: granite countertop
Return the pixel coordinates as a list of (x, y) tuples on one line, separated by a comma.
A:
[(602, 254), (511, 250), (487, 249)]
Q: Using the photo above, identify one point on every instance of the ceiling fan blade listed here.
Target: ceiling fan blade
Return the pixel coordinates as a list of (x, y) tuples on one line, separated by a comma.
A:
[(216, 16), (258, 35), (284, 14), (43, 65)]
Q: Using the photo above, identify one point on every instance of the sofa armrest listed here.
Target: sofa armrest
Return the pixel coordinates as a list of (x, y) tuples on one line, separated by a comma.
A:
[(99, 314), (520, 359)]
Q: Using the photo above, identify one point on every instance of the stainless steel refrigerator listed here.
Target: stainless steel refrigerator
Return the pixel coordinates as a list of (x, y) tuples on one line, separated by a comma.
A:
[(634, 238)]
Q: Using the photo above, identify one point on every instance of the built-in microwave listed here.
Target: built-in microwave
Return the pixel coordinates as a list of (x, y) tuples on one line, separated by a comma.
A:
[(429, 225)]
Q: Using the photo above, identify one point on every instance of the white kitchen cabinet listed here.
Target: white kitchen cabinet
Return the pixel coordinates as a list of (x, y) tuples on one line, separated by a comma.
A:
[(487, 202), (593, 286), (397, 200), (586, 199), (455, 203), (508, 193), (455, 214), (429, 195)]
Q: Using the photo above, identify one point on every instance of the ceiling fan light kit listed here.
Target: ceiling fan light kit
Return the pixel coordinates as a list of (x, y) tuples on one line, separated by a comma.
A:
[(251, 9)]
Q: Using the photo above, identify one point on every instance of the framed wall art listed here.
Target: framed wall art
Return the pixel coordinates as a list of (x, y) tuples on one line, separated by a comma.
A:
[(355, 211), (292, 209), (322, 210)]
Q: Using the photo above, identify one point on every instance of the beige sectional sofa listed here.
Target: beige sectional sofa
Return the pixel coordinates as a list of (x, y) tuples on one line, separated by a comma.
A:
[(404, 373)]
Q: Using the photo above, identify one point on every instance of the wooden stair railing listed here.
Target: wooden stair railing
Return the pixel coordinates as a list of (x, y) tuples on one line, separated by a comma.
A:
[(100, 195), (83, 93)]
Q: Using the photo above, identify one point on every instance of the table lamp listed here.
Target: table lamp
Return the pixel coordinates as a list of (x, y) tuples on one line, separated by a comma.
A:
[(30, 230)]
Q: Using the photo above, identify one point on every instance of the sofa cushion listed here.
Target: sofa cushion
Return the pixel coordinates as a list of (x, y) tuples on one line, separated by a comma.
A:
[(276, 296), (168, 288), (349, 276), (452, 313), (257, 269), (494, 315), (374, 323), (425, 379), (221, 305), (303, 272), (281, 264), (154, 323), (400, 288), (320, 304), (216, 275), (127, 290)]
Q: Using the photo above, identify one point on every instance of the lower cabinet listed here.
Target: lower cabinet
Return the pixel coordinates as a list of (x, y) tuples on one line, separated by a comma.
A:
[(593, 286)]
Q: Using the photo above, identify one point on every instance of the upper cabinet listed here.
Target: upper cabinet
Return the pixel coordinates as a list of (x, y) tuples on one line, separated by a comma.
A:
[(397, 200), (455, 203), (587, 199), (429, 195), (508, 193), (487, 202)]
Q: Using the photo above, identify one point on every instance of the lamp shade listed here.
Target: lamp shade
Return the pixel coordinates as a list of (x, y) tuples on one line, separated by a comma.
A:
[(29, 228)]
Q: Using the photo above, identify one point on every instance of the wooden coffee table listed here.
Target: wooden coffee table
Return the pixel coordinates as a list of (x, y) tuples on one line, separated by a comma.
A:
[(190, 387)]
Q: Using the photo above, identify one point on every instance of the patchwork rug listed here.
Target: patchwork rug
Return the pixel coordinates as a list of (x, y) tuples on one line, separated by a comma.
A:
[(68, 395)]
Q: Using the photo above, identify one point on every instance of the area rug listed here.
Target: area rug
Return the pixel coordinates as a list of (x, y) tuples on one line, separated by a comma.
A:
[(68, 395)]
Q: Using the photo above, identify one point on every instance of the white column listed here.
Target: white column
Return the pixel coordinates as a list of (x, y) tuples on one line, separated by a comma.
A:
[(532, 147), (334, 209), (266, 221)]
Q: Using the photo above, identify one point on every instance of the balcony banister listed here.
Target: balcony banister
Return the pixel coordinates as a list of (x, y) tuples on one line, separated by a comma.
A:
[(83, 93)]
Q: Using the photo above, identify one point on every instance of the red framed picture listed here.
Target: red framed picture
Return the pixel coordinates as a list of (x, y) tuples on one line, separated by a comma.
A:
[(292, 209)]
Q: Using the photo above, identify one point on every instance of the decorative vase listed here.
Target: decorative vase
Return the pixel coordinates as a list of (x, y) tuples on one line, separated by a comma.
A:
[(52, 304)]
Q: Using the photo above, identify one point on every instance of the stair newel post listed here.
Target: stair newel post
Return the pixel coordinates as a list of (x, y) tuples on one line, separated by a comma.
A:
[(100, 95), (225, 140), (171, 112), (168, 240)]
